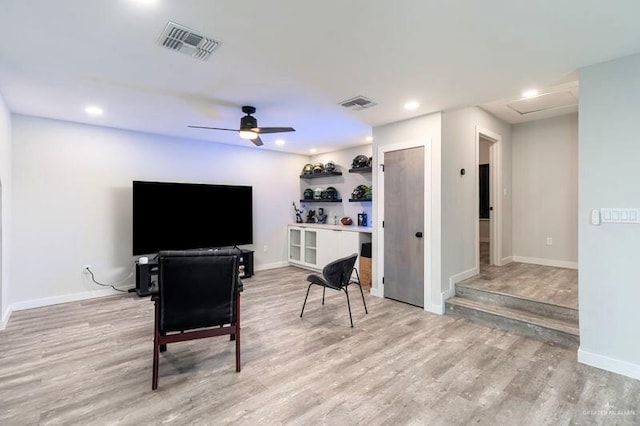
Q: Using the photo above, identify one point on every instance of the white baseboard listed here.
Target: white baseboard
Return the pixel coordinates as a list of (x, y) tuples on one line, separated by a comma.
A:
[(610, 364), (73, 297), (5, 318), (374, 292), (447, 294), (453, 279), (267, 266), (506, 260), (546, 262), (435, 309), (485, 239)]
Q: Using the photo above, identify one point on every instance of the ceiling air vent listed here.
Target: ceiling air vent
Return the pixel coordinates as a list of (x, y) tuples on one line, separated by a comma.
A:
[(358, 103), (182, 39)]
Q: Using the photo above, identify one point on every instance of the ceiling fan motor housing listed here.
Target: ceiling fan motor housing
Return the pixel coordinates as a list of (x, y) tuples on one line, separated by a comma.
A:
[(248, 122)]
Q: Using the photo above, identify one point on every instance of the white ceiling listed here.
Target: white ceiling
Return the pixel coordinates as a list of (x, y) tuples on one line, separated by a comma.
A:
[(295, 60)]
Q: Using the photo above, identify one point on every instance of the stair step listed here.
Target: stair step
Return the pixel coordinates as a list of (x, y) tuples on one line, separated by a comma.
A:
[(519, 321), (549, 310)]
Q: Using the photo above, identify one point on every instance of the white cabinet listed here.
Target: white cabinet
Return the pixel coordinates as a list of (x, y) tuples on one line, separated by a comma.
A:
[(314, 247), (303, 246), (334, 244)]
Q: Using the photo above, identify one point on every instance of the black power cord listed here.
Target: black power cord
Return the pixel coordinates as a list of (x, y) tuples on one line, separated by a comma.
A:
[(93, 278)]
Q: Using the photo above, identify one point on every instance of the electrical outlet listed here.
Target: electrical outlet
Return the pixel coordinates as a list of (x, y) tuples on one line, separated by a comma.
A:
[(549, 241), (265, 249), (86, 268)]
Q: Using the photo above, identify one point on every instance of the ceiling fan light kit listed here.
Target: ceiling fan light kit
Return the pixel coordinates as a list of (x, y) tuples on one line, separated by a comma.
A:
[(249, 127)]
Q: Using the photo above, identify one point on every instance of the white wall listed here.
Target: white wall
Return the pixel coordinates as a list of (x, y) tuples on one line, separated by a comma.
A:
[(609, 255), (345, 184), (415, 130), (72, 199), (545, 190), (459, 193), (5, 210)]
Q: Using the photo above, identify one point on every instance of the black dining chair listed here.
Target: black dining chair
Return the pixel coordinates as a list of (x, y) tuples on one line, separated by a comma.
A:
[(337, 276), (198, 296)]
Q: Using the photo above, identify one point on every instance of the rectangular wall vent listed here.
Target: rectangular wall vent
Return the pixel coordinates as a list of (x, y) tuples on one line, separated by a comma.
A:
[(182, 39), (358, 103)]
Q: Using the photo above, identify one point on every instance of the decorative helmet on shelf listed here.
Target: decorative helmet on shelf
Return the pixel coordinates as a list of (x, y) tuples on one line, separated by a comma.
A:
[(332, 193), (318, 168), (308, 194), (330, 167), (317, 194), (307, 169), (359, 162), (369, 193), (370, 162), (360, 192)]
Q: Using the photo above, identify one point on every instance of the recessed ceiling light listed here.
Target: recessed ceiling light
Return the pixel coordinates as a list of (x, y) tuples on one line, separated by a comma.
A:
[(530, 93), (411, 105), (94, 110), (313, 150), (369, 138), (279, 142), (145, 2)]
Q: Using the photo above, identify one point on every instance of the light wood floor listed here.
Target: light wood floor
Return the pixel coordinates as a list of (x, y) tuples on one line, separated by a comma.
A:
[(89, 363), (558, 286)]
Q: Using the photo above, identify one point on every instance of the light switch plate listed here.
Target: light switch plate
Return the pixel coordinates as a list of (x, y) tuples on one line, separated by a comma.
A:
[(615, 215)]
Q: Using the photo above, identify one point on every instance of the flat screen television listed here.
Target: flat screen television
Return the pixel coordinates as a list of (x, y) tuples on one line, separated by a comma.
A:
[(183, 216)]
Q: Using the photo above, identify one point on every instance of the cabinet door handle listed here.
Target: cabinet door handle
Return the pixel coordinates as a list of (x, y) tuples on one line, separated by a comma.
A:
[(419, 234)]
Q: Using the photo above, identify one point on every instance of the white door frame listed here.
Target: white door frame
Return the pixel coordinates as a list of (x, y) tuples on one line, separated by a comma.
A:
[(429, 304), (496, 191)]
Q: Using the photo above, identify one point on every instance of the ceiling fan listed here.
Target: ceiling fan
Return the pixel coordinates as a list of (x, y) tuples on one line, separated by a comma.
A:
[(249, 127)]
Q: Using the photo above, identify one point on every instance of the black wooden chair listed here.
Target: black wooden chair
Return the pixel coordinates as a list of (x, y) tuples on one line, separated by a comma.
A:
[(198, 296), (337, 276)]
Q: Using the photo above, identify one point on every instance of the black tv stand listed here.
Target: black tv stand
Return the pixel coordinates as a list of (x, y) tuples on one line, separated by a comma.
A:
[(147, 273)]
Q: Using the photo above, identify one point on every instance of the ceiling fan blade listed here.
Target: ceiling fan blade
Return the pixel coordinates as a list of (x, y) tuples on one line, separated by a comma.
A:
[(257, 141), (213, 128), (264, 130)]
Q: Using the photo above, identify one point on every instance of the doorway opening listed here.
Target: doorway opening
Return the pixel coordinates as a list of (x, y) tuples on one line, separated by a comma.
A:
[(488, 183)]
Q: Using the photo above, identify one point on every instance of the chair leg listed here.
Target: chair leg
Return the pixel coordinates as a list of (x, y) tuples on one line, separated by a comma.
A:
[(305, 300), (363, 302), (348, 305), (156, 352), (323, 290), (361, 292), (237, 333)]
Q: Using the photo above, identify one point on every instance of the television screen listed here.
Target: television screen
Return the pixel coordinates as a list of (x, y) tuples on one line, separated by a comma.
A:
[(182, 216)]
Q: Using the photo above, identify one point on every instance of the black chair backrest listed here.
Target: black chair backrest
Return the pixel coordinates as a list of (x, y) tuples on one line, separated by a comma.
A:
[(197, 288), (338, 273)]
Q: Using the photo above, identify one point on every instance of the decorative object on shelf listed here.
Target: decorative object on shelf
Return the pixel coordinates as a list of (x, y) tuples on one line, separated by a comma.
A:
[(359, 162), (311, 216), (346, 221), (307, 169), (308, 194), (360, 193), (317, 194), (322, 218), (335, 220), (330, 167), (369, 193), (370, 162), (298, 213), (318, 168), (362, 219), (332, 193)]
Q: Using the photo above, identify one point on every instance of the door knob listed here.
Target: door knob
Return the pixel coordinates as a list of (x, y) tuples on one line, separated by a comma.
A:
[(419, 234)]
